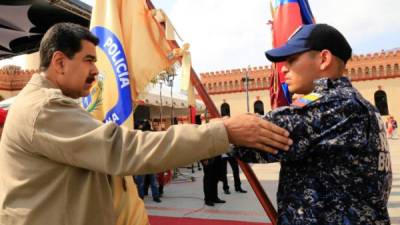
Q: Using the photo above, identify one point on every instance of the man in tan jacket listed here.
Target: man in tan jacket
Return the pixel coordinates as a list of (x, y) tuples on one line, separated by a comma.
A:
[(54, 156)]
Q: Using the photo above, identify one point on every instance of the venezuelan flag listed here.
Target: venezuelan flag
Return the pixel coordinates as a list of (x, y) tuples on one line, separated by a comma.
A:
[(287, 16)]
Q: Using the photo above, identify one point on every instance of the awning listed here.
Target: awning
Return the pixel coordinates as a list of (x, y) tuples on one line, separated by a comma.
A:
[(23, 22), (5, 104), (151, 100), (181, 107), (179, 100)]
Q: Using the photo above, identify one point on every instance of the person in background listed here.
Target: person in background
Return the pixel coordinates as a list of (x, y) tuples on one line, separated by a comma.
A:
[(211, 169), (163, 178), (149, 178), (395, 128), (223, 173), (139, 179), (389, 126), (235, 172), (212, 174)]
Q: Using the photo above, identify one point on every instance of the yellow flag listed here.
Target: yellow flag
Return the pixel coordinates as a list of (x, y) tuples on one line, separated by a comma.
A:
[(186, 83), (133, 49), (145, 42), (111, 99)]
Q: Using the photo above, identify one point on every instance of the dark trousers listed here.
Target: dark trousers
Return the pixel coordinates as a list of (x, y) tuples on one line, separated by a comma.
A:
[(223, 171), (210, 180), (141, 181), (235, 170)]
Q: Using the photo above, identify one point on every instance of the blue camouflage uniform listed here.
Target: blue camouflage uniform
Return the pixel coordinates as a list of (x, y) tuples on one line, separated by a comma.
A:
[(338, 169)]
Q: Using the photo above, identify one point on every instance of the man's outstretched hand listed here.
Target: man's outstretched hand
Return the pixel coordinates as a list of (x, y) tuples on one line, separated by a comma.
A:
[(251, 131)]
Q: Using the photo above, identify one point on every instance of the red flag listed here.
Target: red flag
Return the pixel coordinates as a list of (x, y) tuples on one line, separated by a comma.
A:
[(287, 16), (192, 114), (3, 115)]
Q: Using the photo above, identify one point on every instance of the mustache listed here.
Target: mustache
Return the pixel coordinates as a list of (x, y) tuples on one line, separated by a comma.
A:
[(91, 79)]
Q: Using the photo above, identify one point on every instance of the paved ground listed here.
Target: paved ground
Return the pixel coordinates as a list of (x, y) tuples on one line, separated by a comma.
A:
[(184, 198)]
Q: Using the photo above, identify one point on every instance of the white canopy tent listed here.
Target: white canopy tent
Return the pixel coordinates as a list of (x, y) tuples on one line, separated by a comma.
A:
[(180, 104), (152, 100), (5, 104)]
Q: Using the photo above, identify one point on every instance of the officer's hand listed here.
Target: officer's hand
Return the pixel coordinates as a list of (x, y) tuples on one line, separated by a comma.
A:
[(253, 132)]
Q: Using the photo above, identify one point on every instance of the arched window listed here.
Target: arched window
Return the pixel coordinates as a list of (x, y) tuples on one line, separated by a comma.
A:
[(209, 86), (359, 73), (219, 86), (396, 69), (388, 70), (381, 71), (353, 73), (259, 83), (230, 85), (252, 84), (373, 71), (225, 85), (225, 109), (265, 82), (381, 102), (366, 71), (236, 84), (259, 107)]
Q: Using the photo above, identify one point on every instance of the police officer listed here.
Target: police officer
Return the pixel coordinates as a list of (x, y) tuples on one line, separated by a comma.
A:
[(338, 170)]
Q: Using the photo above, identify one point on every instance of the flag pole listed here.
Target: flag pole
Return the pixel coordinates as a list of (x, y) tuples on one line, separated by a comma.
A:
[(247, 170)]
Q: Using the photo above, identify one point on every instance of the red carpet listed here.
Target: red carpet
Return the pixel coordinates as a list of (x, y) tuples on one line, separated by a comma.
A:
[(162, 220)]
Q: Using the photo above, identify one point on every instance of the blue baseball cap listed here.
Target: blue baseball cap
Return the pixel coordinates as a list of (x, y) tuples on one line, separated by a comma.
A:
[(312, 37)]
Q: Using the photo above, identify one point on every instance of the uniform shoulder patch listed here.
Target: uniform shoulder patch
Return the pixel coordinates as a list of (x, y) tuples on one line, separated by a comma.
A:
[(307, 99)]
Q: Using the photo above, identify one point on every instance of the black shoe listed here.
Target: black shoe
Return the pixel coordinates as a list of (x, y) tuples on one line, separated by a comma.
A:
[(209, 203), (240, 190), (219, 201), (227, 192), (157, 200)]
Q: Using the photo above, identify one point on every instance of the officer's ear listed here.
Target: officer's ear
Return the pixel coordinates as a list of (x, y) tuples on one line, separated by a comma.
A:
[(326, 59)]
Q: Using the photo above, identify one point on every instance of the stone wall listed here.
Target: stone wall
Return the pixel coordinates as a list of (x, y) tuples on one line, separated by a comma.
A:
[(369, 73), (12, 80), (230, 81), (382, 65)]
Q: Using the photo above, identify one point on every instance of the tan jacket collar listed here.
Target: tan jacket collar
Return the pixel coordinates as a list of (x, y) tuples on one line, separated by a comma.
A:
[(39, 79)]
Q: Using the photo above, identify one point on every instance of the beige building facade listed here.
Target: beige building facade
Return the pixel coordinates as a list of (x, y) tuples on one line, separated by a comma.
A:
[(376, 76), (372, 74)]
